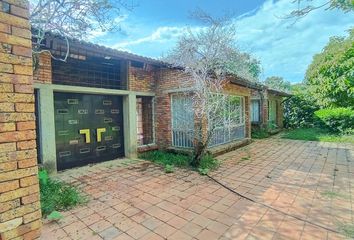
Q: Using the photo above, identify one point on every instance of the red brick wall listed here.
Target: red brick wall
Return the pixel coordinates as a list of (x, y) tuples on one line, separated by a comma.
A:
[(142, 79), (169, 80), (280, 109), (20, 215), (43, 73)]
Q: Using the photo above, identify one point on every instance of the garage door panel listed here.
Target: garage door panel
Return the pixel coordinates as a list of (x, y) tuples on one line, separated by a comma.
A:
[(95, 116)]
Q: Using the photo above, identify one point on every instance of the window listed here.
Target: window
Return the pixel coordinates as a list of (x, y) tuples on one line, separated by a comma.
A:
[(182, 121), (230, 124), (255, 113), (145, 120), (90, 72)]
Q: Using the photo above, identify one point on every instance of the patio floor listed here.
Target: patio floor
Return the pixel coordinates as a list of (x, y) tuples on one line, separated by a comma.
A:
[(307, 187)]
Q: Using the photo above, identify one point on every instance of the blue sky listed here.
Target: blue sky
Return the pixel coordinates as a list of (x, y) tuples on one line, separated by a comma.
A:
[(153, 27)]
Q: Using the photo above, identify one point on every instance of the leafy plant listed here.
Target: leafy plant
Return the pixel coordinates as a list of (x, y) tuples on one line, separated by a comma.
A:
[(336, 120), (57, 196), (299, 110), (259, 133), (209, 162), (169, 168), (330, 76), (54, 216), (203, 171)]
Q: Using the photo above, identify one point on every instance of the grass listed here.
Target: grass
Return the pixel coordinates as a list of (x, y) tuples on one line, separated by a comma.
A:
[(169, 160), (166, 158), (332, 195), (347, 230), (57, 195), (316, 134)]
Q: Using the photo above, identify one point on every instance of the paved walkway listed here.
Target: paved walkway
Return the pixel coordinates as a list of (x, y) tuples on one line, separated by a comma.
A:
[(308, 181)]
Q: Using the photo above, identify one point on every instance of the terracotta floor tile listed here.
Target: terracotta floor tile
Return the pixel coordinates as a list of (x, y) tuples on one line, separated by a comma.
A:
[(138, 198)]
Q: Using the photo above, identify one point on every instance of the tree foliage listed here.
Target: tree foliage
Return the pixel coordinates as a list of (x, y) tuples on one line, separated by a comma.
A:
[(304, 7), (278, 83), (330, 77)]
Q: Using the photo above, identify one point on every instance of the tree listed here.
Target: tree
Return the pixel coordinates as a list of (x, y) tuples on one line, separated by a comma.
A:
[(208, 56), (304, 7), (330, 77), (72, 19), (278, 83), (299, 108)]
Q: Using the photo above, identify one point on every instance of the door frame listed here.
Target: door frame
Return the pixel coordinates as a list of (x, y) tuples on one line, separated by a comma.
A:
[(46, 115)]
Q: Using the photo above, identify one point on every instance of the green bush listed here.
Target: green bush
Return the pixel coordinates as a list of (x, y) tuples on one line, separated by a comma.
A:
[(209, 162), (336, 120), (259, 133), (299, 111), (56, 195)]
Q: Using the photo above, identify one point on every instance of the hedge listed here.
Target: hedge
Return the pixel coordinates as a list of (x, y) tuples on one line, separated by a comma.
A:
[(336, 120)]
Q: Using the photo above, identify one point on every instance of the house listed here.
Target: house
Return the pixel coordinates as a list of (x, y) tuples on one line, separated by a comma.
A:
[(103, 104), (267, 108)]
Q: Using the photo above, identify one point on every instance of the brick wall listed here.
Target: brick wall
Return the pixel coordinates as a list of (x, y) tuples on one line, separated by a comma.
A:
[(142, 79), (280, 109), (43, 73), (20, 215), (169, 80)]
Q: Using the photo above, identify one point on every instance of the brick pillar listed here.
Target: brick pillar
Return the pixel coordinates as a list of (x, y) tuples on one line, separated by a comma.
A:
[(20, 215)]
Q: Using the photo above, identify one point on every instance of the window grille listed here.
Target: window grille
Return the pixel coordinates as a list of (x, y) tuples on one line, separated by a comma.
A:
[(182, 121), (90, 72), (231, 125)]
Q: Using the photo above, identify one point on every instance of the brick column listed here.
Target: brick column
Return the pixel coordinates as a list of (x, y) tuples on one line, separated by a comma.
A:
[(20, 215)]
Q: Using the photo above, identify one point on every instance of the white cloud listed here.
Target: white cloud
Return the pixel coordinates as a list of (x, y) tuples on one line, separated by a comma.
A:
[(160, 35), (284, 49), (95, 34)]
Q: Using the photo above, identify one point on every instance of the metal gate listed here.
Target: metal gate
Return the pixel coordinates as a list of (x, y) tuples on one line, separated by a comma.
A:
[(88, 128)]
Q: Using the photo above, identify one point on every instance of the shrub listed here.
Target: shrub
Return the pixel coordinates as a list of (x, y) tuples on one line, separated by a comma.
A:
[(299, 111), (56, 195), (336, 120), (209, 162), (259, 133)]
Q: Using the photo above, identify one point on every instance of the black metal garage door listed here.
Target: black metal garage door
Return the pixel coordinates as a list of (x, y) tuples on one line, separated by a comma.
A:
[(88, 128)]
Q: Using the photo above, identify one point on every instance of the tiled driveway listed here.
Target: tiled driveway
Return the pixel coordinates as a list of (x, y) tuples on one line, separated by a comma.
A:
[(309, 180)]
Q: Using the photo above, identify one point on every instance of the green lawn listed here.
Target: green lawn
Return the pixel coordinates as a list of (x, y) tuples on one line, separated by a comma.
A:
[(316, 134)]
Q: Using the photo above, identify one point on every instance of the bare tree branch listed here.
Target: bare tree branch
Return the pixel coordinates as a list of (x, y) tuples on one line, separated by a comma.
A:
[(73, 19)]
